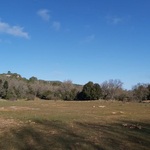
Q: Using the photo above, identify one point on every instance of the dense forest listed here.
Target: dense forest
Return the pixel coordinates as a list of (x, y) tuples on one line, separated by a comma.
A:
[(14, 87)]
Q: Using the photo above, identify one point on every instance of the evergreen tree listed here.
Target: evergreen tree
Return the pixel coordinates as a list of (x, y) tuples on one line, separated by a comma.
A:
[(90, 91), (5, 85), (4, 90)]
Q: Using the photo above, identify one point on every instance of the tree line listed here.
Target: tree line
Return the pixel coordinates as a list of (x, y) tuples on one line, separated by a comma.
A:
[(14, 87)]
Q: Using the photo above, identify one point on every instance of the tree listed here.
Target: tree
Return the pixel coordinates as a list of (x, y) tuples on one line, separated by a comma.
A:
[(1, 86), (148, 96), (141, 92), (4, 90), (9, 72), (90, 91), (97, 91), (5, 85), (109, 88), (11, 95), (67, 90), (33, 79)]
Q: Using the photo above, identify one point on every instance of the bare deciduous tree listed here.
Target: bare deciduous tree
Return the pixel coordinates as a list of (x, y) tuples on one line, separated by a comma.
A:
[(109, 88)]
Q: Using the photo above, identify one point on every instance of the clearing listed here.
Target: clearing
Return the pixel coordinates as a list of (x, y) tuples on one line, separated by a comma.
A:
[(61, 125)]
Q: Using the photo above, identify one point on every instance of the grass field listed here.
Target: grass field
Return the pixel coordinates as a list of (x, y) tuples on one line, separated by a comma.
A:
[(59, 125)]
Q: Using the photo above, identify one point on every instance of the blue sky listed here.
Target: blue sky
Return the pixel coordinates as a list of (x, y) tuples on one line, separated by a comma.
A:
[(78, 40)]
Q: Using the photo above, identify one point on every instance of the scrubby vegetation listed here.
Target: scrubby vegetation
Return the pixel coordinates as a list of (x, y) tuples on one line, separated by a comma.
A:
[(82, 121), (13, 87)]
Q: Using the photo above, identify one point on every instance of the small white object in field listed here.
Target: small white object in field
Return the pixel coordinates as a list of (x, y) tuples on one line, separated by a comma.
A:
[(125, 124), (113, 113), (101, 106), (93, 106)]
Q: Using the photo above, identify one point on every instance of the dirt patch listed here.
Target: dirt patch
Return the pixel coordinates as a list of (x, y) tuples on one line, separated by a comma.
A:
[(6, 124), (15, 108), (147, 101)]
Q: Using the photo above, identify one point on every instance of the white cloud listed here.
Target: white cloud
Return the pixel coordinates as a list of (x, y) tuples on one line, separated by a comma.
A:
[(114, 20), (44, 14), (13, 30), (56, 25)]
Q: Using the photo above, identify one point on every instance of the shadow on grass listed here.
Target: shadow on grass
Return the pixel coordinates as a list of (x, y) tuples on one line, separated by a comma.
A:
[(122, 135), (49, 135), (46, 135)]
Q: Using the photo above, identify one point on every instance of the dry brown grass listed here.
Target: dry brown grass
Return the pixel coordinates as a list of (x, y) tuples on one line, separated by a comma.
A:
[(101, 125)]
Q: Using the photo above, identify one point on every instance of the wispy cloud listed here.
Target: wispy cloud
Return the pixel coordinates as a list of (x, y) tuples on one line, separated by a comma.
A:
[(44, 14), (13, 30), (114, 19), (56, 25)]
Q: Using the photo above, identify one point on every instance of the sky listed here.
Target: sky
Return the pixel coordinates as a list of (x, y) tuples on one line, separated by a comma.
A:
[(77, 40)]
